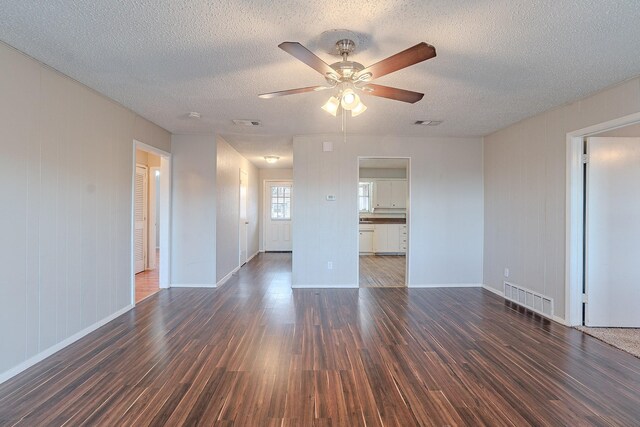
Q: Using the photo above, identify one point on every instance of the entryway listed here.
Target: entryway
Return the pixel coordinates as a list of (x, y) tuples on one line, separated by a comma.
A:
[(277, 216), (383, 205), (150, 239)]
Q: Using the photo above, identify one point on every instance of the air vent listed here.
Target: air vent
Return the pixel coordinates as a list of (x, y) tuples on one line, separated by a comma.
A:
[(532, 300), (243, 122), (428, 122)]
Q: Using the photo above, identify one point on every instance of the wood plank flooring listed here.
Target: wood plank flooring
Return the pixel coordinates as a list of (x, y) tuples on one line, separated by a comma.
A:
[(382, 271), (256, 353), (148, 281)]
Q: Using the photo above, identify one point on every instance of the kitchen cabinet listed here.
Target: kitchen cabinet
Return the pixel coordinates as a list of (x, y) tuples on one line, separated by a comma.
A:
[(390, 194), (366, 239), (390, 238)]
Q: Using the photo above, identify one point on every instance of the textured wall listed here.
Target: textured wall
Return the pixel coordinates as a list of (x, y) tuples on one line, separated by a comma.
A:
[(229, 163), (65, 191), (525, 179), (445, 241), (193, 215)]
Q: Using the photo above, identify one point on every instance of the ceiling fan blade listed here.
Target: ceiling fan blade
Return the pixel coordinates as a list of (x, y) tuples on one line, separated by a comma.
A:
[(392, 93), (413, 55), (292, 91), (305, 55)]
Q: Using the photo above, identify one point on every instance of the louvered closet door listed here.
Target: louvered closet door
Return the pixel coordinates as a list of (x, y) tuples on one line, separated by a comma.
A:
[(140, 217)]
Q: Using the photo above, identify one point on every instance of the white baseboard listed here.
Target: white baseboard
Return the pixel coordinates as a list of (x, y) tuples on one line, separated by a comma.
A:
[(447, 285), (227, 277), (193, 285), (325, 286), (495, 291), (253, 256), (4, 376)]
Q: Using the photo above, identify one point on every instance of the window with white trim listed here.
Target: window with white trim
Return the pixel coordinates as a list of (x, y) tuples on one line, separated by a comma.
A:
[(280, 202), (365, 200)]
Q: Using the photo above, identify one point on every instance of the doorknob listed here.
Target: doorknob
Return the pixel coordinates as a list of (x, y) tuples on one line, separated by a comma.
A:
[(246, 222)]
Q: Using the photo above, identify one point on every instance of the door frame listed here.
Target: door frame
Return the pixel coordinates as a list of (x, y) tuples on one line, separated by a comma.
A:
[(151, 218), (407, 261), (266, 209), (145, 230), (165, 213), (574, 213), (240, 220)]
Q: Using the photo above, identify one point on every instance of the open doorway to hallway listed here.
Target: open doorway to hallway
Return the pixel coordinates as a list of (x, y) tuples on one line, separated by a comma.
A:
[(150, 212), (383, 203)]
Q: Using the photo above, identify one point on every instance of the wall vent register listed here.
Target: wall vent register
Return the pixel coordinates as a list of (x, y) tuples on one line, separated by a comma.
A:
[(534, 301)]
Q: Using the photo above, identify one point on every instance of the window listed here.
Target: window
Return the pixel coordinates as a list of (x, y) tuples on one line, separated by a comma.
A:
[(364, 196), (281, 202)]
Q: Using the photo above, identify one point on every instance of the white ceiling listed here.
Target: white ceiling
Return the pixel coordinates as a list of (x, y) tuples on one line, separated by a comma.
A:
[(498, 61)]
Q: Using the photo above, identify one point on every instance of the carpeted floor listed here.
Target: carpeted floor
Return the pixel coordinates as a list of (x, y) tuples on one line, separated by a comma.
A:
[(627, 339)]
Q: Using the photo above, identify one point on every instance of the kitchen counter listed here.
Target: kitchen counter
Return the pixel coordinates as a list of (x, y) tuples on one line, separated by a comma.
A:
[(384, 221)]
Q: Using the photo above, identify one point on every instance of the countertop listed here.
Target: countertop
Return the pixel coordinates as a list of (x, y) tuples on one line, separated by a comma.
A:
[(384, 221)]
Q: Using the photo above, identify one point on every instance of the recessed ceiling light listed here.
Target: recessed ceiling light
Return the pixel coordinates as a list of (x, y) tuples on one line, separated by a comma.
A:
[(245, 122), (428, 122), (194, 115), (271, 159)]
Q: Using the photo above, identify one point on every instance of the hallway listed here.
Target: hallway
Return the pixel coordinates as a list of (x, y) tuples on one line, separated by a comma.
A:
[(255, 352)]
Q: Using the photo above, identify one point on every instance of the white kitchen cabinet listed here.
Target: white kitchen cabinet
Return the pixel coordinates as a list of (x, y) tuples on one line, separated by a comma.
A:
[(390, 238), (398, 194), (366, 241), (390, 194)]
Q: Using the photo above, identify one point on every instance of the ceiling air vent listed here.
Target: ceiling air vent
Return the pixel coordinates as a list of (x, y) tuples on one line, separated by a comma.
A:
[(243, 122), (428, 122)]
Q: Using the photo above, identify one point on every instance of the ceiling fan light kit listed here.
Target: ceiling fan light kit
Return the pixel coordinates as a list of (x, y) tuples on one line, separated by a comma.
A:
[(349, 76)]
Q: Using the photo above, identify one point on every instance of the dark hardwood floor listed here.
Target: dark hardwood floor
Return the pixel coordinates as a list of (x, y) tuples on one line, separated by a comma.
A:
[(255, 353), (382, 271)]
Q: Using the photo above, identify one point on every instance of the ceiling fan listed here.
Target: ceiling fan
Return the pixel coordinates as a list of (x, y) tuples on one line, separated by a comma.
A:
[(350, 77)]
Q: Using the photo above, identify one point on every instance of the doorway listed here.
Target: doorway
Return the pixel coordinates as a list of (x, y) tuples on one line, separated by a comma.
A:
[(150, 212), (277, 216), (602, 230), (383, 206)]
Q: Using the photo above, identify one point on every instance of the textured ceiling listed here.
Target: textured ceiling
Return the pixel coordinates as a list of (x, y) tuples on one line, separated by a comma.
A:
[(498, 60)]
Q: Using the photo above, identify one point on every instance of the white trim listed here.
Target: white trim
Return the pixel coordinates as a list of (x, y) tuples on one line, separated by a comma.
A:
[(193, 285), (165, 215), (407, 216), (253, 256), (447, 285), (6, 375), (495, 291), (332, 286), (227, 277), (574, 214)]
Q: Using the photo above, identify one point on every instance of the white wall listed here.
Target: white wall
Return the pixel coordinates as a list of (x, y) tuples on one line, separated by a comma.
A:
[(265, 175), (445, 222), (525, 179), (193, 215), (65, 190), (229, 163)]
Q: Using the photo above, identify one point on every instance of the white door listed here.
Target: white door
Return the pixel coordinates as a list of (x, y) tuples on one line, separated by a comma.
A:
[(244, 223), (382, 194), (277, 219), (613, 232), (140, 216)]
